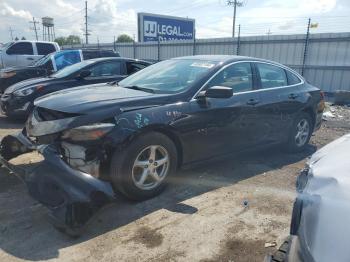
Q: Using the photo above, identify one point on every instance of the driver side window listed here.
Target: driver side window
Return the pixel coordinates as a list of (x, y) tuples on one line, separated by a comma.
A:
[(106, 69), (237, 76)]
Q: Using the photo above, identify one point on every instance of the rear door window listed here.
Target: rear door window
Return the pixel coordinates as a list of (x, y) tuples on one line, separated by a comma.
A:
[(271, 76), (106, 69), (45, 48), (292, 78), (20, 48)]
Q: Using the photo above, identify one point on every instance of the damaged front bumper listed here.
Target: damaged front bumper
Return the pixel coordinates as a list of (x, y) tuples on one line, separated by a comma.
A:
[(72, 196)]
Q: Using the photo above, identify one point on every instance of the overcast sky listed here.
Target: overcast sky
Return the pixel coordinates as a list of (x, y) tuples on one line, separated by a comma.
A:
[(213, 18)]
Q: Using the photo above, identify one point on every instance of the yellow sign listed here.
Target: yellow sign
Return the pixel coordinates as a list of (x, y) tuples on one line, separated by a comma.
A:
[(313, 25)]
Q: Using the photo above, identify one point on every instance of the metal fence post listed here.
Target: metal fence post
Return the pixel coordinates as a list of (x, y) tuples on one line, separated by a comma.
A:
[(134, 49), (194, 43), (238, 39), (194, 46), (158, 50), (306, 47)]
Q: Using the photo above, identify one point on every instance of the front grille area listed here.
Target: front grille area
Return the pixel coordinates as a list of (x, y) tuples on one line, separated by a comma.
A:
[(44, 114), (47, 139)]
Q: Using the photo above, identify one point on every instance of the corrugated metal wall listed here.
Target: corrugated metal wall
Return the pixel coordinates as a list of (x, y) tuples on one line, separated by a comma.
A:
[(327, 63)]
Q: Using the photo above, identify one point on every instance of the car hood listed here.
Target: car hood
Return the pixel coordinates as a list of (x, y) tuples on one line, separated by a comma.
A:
[(18, 68), (86, 105), (326, 214), (26, 83), (85, 99)]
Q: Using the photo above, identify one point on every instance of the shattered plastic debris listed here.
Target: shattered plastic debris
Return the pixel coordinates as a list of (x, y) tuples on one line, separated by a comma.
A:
[(272, 244), (328, 115)]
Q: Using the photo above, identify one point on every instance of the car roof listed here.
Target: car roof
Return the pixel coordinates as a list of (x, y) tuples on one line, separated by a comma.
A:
[(35, 41), (116, 58), (225, 58)]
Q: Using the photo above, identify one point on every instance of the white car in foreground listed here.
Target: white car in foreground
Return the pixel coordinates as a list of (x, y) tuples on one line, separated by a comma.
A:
[(320, 222)]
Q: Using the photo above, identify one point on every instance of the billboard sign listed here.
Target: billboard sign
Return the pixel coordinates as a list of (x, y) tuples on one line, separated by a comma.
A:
[(152, 27)]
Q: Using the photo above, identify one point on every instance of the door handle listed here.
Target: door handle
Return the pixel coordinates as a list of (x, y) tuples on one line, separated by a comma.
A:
[(292, 96), (252, 102), (30, 58)]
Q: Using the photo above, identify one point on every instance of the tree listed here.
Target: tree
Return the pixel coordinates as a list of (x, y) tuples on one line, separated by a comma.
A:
[(23, 38), (124, 38), (70, 40)]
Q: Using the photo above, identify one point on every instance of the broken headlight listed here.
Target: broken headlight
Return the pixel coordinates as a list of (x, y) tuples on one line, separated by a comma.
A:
[(28, 91), (88, 133), (7, 74)]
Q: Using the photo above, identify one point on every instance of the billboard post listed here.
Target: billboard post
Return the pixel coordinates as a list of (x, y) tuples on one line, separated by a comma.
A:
[(153, 28)]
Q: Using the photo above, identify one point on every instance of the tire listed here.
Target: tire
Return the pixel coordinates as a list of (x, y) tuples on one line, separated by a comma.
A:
[(281, 254), (295, 144), (126, 173)]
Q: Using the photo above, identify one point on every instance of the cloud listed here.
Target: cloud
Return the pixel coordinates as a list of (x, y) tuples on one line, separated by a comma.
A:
[(108, 20), (7, 10), (67, 7)]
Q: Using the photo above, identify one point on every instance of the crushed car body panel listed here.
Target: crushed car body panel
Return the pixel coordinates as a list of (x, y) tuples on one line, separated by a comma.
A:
[(72, 196), (322, 228)]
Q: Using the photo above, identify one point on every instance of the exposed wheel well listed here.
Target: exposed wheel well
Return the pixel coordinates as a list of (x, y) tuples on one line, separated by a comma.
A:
[(310, 112), (174, 138)]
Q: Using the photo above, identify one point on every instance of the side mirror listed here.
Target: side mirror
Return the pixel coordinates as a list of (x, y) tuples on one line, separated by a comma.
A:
[(218, 92), (84, 73)]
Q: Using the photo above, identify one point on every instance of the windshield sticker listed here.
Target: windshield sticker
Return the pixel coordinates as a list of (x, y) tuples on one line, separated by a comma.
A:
[(200, 64)]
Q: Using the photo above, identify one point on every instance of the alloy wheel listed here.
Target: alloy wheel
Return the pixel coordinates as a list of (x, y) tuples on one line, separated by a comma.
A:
[(303, 131), (150, 167)]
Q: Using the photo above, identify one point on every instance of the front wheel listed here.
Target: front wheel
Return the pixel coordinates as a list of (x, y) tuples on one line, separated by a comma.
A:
[(300, 134), (140, 171)]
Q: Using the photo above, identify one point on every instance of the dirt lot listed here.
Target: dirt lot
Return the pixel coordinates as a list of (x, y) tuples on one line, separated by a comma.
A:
[(200, 217)]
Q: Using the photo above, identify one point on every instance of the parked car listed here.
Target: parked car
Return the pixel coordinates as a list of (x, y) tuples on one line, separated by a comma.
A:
[(24, 53), (320, 220), (49, 64), (132, 136), (17, 101)]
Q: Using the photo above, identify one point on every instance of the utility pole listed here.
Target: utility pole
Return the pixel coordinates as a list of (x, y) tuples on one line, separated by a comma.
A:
[(86, 25), (235, 4), (34, 28), (11, 33)]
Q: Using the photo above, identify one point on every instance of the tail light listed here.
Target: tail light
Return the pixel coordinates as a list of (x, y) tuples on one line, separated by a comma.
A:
[(322, 95), (321, 104)]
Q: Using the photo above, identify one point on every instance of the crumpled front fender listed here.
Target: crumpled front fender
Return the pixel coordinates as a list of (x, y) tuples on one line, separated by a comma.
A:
[(72, 196)]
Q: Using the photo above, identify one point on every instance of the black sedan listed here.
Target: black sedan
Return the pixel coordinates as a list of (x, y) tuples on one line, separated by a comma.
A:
[(49, 64), (132, 136), (17, 101)]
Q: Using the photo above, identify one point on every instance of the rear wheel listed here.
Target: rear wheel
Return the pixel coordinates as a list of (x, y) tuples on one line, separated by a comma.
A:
[(300, 134), (141, 170)]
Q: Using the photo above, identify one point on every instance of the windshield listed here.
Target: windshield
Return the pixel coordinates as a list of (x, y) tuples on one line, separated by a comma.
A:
[(71, 69), (6, 45), (170, 76), (42, 60)]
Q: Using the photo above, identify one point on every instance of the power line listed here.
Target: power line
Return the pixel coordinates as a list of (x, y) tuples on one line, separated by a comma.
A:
[(34, 28)]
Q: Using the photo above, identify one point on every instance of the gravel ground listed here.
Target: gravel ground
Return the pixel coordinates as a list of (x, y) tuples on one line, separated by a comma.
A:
[(200, 217)]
